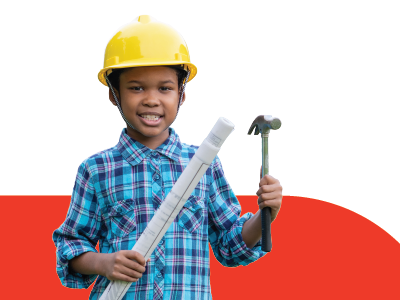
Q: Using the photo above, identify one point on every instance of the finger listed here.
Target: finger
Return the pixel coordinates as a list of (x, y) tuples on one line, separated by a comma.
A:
[(274, 204), (133, 265), (267, 180), (123, 277), (269, 189), (131, 273), (269, 196), (135, 256)]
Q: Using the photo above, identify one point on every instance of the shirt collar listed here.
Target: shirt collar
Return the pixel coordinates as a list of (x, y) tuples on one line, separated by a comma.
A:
[(134, 152)]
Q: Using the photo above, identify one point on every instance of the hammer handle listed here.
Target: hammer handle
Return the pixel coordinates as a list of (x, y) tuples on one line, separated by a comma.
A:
[(266, 242)]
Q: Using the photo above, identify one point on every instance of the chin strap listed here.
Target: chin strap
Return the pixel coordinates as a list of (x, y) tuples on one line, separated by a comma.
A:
[(183, 91), (119, 106), (116, 100)]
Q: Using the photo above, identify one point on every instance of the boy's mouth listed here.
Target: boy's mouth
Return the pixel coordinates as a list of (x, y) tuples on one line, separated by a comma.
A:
[(150, 119)]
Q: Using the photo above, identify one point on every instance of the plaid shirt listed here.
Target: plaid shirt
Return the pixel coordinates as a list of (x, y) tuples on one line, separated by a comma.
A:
[(115, 195)]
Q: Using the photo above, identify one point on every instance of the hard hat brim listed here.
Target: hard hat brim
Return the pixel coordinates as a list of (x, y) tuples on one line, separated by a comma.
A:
[(192, 68)]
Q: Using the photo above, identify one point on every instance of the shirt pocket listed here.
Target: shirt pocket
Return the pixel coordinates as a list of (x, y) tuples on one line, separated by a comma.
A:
[(192, 214), (121, 217)]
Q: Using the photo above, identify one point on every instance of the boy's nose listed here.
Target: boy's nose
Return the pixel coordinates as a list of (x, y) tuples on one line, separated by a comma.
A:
[(151, 99)]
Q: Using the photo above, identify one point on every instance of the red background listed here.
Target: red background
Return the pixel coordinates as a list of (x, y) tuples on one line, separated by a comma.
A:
[(320, 251)]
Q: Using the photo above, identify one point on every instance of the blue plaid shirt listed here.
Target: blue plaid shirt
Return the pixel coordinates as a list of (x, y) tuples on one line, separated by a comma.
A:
[(115, 195)]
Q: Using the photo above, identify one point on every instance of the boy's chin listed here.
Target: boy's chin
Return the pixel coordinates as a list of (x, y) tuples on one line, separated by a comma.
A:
[(152, 132)]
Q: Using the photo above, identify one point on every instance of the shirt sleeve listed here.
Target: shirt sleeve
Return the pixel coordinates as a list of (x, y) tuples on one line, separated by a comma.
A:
[(80, 231), (225, 224)]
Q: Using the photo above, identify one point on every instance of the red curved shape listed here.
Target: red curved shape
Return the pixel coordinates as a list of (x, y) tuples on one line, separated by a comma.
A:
[(319, 251)]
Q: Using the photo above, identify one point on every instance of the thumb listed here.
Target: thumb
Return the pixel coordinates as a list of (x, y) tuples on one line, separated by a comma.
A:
[(268, 180), (263, 181)]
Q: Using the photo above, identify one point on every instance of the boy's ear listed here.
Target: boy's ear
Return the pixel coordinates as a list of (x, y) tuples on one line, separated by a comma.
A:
[(183, 98), (111, 97)]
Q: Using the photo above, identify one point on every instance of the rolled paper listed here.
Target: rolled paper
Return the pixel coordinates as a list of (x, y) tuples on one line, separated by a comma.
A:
[(174, 201)]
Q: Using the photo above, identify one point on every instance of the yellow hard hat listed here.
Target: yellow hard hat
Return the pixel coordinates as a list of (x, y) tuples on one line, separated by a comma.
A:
[(146, 42)]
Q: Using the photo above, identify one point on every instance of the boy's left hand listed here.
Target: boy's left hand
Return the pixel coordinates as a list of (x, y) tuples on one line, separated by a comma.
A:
[(270, 195)]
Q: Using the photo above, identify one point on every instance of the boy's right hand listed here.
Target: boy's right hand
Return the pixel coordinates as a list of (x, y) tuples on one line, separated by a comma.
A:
[(125, 265)]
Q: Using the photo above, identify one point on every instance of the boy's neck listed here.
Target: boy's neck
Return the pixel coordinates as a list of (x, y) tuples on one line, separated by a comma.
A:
[(151, 142)]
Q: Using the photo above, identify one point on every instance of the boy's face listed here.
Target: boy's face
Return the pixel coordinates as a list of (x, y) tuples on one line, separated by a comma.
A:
[(149, 98)]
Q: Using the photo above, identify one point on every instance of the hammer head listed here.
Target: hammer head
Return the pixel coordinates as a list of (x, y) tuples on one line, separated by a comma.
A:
[(264, 123)]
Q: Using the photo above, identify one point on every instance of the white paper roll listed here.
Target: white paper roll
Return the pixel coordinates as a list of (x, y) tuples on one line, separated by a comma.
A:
[(174, 201)]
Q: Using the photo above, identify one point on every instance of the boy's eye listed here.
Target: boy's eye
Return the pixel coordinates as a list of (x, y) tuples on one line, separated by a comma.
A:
[(136, 88), (165, 88)]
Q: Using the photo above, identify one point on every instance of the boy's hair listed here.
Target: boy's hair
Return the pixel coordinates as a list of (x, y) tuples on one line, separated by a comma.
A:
[(116, 73)]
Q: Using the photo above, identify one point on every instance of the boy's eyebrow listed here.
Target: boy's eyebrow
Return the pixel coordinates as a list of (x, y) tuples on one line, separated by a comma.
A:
[(162, 82)]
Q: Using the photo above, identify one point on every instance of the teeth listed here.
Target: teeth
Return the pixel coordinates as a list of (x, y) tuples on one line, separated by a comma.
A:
[(151, 117)]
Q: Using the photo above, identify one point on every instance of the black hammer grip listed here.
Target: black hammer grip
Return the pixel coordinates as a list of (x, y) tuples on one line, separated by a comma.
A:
[(266, 243)]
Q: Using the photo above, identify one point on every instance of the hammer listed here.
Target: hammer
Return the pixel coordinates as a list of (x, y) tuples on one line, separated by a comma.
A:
[(263, 124)]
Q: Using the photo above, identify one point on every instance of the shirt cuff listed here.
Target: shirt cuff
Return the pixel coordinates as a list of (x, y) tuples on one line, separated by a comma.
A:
[(67, 250), (243, 255)]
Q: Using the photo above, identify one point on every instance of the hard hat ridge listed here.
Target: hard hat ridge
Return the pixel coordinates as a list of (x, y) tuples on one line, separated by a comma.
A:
[(145, 19)]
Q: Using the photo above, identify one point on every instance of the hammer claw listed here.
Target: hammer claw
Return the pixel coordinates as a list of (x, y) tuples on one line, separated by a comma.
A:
[(251, 129), (255, 127)]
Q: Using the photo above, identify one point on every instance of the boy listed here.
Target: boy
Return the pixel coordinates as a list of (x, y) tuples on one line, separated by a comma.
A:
[(117, 191)]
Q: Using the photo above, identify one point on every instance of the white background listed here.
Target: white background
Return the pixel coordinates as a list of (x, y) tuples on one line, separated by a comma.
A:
[(329, 69)]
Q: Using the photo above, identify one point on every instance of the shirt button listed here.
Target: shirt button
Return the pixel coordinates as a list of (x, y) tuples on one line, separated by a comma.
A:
[(159, 275), (157, 177), (154, 153)]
